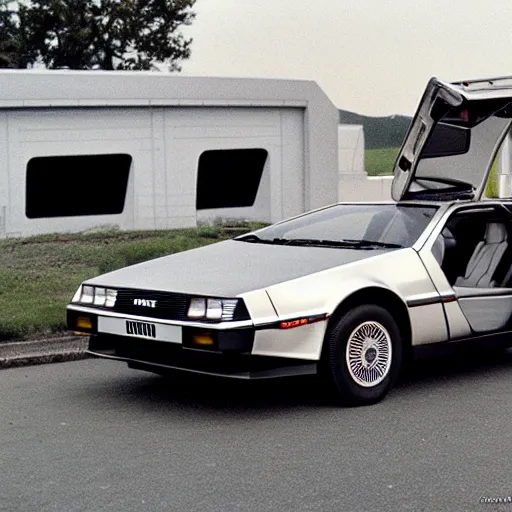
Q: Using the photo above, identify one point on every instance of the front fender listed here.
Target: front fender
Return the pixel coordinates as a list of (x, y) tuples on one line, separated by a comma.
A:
[(400, 272)]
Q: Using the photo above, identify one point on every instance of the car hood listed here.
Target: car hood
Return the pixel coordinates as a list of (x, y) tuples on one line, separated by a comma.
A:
[(230, 268)]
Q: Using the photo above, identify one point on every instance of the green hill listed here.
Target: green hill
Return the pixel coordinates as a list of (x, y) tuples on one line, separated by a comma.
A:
[(379, 132)]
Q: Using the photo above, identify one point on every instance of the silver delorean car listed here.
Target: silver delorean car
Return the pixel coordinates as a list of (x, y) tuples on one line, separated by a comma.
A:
[(349, 291)]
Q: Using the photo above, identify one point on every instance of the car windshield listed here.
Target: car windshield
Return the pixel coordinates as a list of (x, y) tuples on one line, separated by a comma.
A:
[(357, 226)]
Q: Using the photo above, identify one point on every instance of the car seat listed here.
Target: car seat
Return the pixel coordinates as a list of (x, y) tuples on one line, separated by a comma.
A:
[(485, 258)]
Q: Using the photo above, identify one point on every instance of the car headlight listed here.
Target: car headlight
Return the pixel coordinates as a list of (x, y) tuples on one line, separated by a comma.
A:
[(212, 309), (87, 295), (99, 296), (197, 308), (95, 295)]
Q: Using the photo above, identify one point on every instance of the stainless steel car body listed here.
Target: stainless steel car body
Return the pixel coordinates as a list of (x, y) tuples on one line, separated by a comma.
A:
[(292, 293)]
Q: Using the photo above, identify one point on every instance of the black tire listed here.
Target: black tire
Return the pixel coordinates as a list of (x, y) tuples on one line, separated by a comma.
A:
[(347, 390)]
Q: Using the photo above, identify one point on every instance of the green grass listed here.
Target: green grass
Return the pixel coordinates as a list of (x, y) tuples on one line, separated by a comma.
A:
[(39, 275), (491, 189), (379, 162)]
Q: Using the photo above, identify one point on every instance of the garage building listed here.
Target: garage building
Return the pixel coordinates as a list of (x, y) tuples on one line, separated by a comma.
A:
[(144, 150)]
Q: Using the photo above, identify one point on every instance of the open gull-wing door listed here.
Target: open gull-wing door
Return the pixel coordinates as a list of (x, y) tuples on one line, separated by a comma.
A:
[(453, 139)]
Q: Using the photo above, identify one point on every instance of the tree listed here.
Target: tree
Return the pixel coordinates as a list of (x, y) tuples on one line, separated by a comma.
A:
[(9, 37), (103, 34)]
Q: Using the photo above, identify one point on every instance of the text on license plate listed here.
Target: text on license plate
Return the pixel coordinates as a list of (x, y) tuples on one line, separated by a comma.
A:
[(140, 329)]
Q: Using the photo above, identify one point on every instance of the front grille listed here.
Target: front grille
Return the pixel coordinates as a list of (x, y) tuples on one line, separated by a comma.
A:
[(168, 305)]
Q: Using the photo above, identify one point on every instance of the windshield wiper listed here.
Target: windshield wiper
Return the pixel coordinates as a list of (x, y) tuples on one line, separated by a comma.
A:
[(345, 243), (309, 242), (312, 242), (373, 243), (250, 238), (274, 241)]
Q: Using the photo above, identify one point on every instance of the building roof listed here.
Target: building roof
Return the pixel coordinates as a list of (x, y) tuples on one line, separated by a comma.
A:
[(63, 88)]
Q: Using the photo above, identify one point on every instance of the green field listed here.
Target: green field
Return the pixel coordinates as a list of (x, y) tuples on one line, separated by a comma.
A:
[(380, 162), (39, 275)]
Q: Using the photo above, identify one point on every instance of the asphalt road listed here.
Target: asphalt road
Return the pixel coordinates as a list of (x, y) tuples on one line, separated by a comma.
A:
[(95, 436)]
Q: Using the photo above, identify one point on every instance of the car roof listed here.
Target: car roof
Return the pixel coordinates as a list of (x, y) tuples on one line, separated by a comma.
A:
[(483, 88)]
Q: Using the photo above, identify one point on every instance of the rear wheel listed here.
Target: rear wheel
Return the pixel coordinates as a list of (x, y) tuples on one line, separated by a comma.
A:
[(363, 355)]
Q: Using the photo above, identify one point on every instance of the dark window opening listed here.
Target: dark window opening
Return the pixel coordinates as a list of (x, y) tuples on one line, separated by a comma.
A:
[(72, 186), (229, 178)]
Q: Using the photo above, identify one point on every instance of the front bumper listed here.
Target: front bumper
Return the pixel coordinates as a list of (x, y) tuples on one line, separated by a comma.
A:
[(160, 346), (161, 357)]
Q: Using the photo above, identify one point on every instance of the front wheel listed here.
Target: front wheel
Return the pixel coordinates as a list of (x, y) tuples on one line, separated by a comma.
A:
[(364, 355)]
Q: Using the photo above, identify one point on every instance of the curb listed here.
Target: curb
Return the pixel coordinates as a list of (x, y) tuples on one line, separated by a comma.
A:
[(51, 350)]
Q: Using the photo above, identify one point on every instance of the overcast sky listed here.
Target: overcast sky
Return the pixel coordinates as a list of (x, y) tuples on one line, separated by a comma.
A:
[(369, 56)]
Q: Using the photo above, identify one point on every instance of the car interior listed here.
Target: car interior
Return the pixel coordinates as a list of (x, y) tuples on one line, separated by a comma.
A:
[(474, 249)]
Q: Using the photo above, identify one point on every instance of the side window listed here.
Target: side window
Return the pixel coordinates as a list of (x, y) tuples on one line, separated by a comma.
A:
[(229, 178), (71, 186), (474, 249)]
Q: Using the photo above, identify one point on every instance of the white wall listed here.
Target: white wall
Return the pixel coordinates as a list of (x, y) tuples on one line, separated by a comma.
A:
[(354, 184), (281, 133), (166, 144), (165, 122), (4, 173), (364, 188), (60, 132), (108, 89), (505, 169), (351, 149)]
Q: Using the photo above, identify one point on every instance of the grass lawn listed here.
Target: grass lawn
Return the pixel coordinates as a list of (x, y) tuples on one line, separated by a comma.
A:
[(39, 275), (380, 162)]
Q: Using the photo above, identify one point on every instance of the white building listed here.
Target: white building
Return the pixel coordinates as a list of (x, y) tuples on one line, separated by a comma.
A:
[(354, 184), (136, 150), (505, 168), (351, 149)]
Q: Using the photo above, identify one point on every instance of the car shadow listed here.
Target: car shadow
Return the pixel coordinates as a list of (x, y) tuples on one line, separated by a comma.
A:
[(456, 367), (210, 395)]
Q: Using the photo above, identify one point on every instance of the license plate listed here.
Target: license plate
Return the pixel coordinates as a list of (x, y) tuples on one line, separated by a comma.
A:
[(140, 329)]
